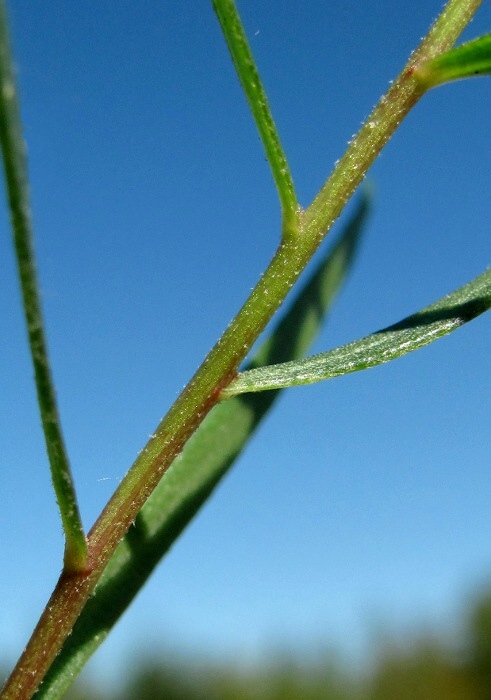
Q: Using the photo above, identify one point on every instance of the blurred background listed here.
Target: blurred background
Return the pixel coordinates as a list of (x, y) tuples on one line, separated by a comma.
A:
[(351, 543), (422, 666)]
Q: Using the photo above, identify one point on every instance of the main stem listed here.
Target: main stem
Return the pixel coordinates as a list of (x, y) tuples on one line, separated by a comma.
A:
[(201, 394)]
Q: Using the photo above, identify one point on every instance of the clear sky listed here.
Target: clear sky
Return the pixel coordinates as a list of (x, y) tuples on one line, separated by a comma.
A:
[(360, 500)]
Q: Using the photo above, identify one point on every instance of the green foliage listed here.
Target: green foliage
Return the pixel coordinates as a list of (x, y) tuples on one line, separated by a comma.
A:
[(479, 648), (467, 61), (203, 462), (198, 439), (423, 672), (423, 668), (414, 332)]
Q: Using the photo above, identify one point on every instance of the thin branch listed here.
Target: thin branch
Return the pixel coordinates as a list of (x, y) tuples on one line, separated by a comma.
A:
[(245, 66), (15, 166), (378, 128)]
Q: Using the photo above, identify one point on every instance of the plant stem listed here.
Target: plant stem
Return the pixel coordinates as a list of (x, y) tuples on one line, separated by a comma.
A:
[(250, 79), (15, 165), (386, 117), (202, 393)]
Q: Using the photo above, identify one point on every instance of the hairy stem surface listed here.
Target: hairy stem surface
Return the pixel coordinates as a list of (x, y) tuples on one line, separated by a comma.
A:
[(221, 365)]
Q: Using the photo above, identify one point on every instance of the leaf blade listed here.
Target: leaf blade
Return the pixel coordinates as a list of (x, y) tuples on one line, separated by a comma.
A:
[(416, 331), (204, 461), (469, 60)]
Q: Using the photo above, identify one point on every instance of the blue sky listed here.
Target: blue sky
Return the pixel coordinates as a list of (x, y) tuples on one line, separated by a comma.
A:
[(360, 501)]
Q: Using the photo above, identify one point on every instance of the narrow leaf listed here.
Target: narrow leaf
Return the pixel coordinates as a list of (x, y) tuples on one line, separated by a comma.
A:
[(466, 61), (250, 80), (193, 476), (16, 175), (414, 332)]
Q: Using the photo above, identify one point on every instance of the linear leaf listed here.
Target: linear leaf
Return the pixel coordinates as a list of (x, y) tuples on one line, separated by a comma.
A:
[(206, 458), (16, 177), (414, 332), (250, 80), (466, 61)]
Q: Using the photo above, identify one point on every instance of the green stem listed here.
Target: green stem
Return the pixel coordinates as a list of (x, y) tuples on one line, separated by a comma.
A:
[(202, 393), (386, 117), (15, 165), (245, 66)]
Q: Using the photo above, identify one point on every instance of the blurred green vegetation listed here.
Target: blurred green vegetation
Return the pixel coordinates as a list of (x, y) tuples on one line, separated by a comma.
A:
[(423, 668)]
